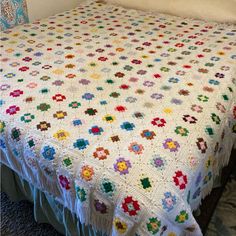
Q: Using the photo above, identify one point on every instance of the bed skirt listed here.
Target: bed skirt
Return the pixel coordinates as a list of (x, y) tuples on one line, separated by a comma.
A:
[(46, 208)]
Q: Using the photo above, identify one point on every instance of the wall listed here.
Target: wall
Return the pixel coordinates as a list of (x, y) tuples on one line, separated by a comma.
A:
[(38, 9)]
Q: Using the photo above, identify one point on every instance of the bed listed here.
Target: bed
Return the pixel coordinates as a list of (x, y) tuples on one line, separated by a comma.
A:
[(125, 117)]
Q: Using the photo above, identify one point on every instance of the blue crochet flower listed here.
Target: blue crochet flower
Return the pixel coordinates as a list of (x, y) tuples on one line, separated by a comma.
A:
[(81, 144), (169, 201), (88, 96), (95, 130), (48, 153), (77, 122), (127, 126)]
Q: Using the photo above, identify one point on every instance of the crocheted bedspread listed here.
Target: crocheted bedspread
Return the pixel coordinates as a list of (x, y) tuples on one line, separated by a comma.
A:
[(124, 116)]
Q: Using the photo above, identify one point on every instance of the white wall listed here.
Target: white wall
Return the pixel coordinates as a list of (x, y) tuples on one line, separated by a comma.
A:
[(38, 9)]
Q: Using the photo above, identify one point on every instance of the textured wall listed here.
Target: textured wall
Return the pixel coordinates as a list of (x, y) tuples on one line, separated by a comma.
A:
[(39, 9)]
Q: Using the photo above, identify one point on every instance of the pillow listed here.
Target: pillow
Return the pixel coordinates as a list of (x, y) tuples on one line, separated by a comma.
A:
[(210, 10), (13, 12)]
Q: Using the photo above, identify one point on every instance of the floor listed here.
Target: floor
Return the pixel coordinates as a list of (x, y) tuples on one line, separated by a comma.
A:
[(17, 217)]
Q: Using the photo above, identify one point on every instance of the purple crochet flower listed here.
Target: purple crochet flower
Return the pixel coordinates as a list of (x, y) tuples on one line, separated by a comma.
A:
[(100, 206), (84, 81), (148, 83), (176, 101), (122, 166), (88, 96), (172, 145), (58, 82), (157, 96), (158, 162)]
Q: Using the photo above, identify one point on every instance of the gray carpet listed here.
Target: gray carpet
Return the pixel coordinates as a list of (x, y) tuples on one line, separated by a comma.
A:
[(17, 217)]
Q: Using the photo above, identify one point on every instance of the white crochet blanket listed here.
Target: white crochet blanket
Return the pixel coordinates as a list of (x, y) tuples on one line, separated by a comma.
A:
[(124, 116)]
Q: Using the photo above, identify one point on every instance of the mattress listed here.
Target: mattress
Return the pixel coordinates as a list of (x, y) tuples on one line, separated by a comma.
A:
[(125, 117)]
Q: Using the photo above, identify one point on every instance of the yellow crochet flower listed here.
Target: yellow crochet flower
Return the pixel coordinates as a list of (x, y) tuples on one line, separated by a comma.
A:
[(120, 226), (168, 110), (95, 76), (58, 72), (61, 135), (109, 118)]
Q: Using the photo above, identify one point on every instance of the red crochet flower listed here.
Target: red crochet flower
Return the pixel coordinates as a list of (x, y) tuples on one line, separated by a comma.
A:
[(130, 206), (12, 110), (124, 86), (58, 97), (64, 182), (157, 76), (158, 122), (23, 68), (120, 108), (16, 93), (102, 58), (180, 179)]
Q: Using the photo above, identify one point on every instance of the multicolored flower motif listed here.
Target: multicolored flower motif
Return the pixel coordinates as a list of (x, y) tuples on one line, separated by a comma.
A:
[(108, 187), (120, 226), (27, 118), (122, 166), (127, 126), (49, 152), (16, 93), (61, 135), (215, 118), (159, 122), (100, 206), (60, 115), (153, 225), (95, 130), (74, 104), (181, 131), (130, 206), (59, 97), (15, 134), (12, 110), (197, 108), (43, 126), (136, 148), (172, 145), (101, 153), (87, 173), (182, 217), (189, 119), (77, 122), (169, 201), (202, 145), (43, 107), (65, 183), (148, 134), (109, 118), (158, 162), (81, 144), (203, 98), (146, 183), (91, 111), (81, 193), (180, 179)]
